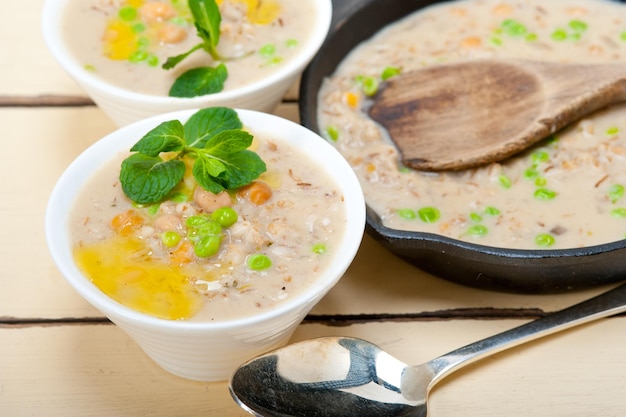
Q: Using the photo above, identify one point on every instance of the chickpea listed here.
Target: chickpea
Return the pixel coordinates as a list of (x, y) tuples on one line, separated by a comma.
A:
[(157, 11), (210, 202), (168, 222), (172, 34)]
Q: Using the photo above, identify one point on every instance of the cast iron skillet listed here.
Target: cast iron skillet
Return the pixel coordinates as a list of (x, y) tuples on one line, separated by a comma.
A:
[(508, 270)]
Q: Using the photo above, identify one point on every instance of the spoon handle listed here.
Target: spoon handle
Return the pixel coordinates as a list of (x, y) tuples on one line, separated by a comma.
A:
[(606, 304)]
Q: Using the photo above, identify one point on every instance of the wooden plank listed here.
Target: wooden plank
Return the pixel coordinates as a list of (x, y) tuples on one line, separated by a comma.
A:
[(98, 371), (28, 68)]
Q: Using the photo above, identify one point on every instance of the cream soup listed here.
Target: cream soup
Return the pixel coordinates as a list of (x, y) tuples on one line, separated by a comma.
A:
[(565, 193), (288, 225), (125, 42)]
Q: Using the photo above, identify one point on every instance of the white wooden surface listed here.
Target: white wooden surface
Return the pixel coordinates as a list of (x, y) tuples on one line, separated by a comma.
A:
[(58, 357)]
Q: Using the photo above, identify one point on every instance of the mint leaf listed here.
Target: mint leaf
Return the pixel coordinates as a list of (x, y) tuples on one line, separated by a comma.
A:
[(225, 162), (172, 61), (228, 142), (212, 136), (207, 172), (199, 81), (166, 137), (147, 179), (243, 168), (208, 122), (207, 19)]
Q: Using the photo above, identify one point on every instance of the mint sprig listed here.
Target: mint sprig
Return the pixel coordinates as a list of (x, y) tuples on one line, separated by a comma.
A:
[(212, 136), (203, 80), (199, 81)]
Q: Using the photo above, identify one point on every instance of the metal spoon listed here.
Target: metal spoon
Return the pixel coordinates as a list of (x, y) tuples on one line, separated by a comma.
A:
[(344, 377)]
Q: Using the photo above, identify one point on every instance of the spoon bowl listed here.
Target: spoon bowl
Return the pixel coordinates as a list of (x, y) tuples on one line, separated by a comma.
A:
[(345, 377), (466, 114)]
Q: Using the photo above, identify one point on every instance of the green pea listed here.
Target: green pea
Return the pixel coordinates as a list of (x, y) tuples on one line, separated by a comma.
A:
[(611, 131), (540, 156), (291, 43), (475, 217), (210, 228), (319, 248), (495, 41), (390, 72), (492, 211), (615, 192), (332, 133), (541, 182), (505, 181), (138, 56), (578, 25), (622, 35), (225, 216), (429, 214), (544, 240), (407, 213), (275, 60), (152, 60), (531, 37), (207, 246), (258, 262), (196, 221), (559, 35), (477, 230), (153, 209), (127, 13), (170, 238), (544, 194), (619, 212), (138, 27), (267, 50), (513, 28), (369, 86), (551, 139), (143, 42), (531, 173)]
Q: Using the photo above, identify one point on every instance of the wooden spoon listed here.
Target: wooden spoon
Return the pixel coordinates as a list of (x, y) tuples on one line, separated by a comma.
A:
[(462, 115)]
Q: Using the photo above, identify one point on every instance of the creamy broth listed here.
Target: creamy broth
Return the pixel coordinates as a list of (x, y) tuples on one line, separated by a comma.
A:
[(565, 193), (263, 43), (298, 228)]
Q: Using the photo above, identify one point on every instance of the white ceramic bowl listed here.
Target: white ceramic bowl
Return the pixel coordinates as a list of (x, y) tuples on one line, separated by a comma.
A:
[(204, 351), (124, 106)]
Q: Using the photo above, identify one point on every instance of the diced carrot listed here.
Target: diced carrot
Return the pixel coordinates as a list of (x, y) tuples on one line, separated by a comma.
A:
[(352, 99), (183, 254), (258, 192), (370, 167), (471, 42), (125, 223)]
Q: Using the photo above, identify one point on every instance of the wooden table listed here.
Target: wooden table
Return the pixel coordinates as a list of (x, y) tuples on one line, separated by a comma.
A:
[(61, 357)]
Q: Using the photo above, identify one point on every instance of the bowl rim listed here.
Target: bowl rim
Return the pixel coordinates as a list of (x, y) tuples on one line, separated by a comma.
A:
[(374, 223), (73, 178), (52, 29)]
